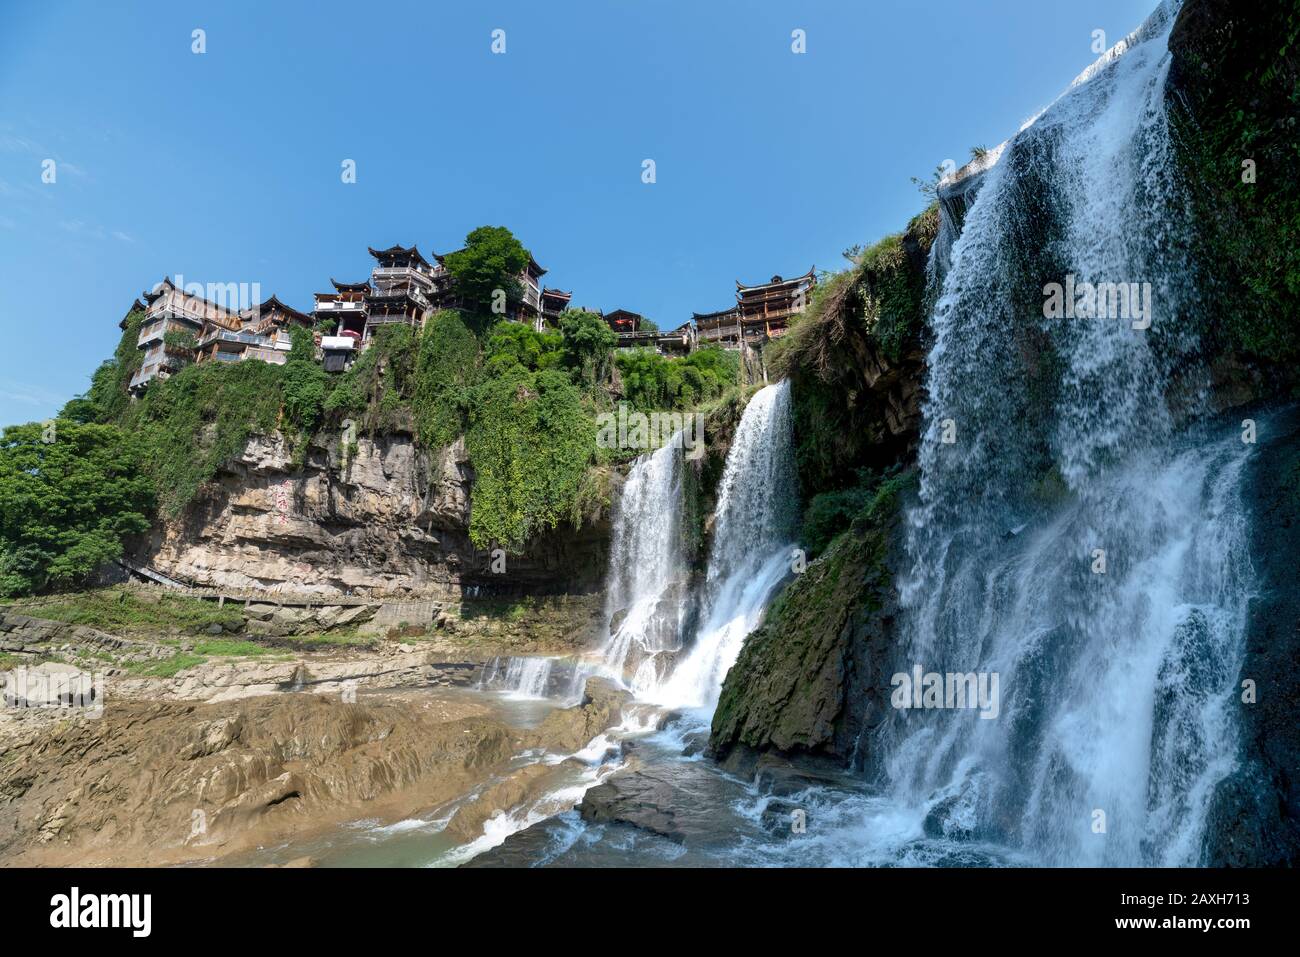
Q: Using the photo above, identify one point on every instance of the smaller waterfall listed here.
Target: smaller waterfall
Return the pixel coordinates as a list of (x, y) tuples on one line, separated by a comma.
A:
[(521, 677), (645, 596), (756, 516)]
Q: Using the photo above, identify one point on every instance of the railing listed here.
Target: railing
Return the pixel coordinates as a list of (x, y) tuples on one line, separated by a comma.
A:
[(340, 306), (718, 332), (225, 335), (159, 328), (408, 271)]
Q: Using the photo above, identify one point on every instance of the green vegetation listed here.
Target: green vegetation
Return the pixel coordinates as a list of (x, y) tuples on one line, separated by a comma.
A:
[(872, 499), (123, 611), (192, 422), (69, 494), (531, 439), (446, 369), (653, 382), (164, 667), (107, 398), (1242, 158), (487, 267)]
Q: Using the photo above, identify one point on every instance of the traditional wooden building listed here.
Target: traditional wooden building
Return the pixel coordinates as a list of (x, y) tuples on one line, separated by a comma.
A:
[(766, 309), (344, 309), (635, 333), (169, 309), (721, 328), (554, 302), (404, 288), (263, 333)]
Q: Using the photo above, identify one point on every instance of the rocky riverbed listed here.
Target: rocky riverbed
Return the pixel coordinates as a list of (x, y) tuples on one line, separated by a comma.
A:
[(269, 749)]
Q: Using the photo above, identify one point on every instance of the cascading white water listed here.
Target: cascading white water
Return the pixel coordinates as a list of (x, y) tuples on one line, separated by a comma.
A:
[(1089, 555), (751, 553), (646, 582), (521, 677)]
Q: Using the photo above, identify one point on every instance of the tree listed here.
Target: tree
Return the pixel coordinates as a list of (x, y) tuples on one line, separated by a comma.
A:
[(588, 345), (492, 259), (69, 494)]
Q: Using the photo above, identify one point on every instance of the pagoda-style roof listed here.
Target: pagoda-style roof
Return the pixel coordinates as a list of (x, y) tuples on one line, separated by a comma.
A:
[(713, 316), (557, 294), (350, 286), (149, 295), (776, 282), (273, 305), (398, 252), (136, 306)]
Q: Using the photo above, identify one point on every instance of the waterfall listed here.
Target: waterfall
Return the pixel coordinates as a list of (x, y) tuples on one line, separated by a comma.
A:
[(1069, 539), (645, 587), (751, 555), (521, 677)]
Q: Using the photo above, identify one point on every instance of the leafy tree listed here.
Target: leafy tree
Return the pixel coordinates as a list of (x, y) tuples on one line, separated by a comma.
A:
[(654, 382), (66, 504), (492, 259), (588, 344), (514, 342)]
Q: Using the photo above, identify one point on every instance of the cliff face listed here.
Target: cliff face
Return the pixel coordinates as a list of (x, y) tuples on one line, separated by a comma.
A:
[(390, 519)]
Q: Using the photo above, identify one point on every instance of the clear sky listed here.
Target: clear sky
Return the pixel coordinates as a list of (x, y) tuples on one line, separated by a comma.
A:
[(225, 166)]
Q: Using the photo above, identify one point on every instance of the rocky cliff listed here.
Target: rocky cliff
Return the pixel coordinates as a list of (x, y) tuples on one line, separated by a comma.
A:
[(381, 518)]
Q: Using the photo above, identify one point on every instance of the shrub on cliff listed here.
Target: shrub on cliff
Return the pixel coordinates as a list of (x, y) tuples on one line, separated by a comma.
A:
[(446, 369), (192, 422), (531, 439), (654, 382), (1237, 71), (69, 494)]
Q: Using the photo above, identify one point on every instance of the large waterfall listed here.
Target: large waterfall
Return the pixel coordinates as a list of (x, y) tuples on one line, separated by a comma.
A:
[(1069, 540), (752, 547), (646, 588)]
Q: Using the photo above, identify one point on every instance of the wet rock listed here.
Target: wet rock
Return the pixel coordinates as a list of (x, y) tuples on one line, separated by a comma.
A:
[(1254, 817), (812, 677)]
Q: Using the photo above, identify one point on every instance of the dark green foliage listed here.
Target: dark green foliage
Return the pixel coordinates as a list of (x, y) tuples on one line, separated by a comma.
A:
[(305, 385), (446, 369), (107, 398), (377, 389), (531, 440), (492, 259), (512, 343), (654, 382), (192, 422), (588, 346), (831, 513), (69, 494), (1237, 72)]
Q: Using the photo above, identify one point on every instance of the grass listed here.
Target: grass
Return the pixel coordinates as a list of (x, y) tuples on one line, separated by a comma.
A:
[(8, 661), (124, 611), (165, 668), (228, 647)]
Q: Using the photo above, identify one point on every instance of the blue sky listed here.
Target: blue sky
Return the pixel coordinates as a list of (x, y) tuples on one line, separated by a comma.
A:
[(225, 166)]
